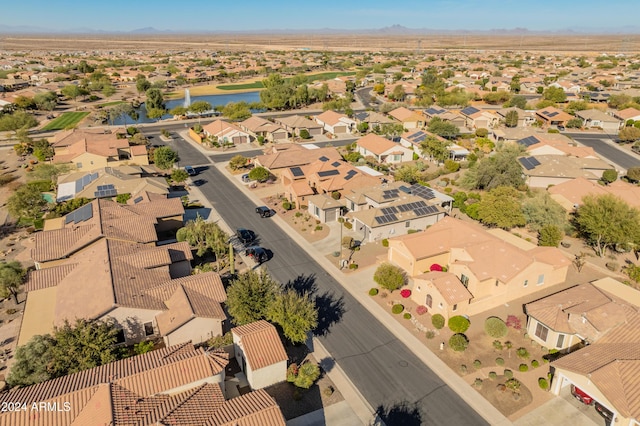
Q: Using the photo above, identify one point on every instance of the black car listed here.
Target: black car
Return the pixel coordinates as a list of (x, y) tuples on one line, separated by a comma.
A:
[(258, 254), (190, 170), (604, 412), (264, 211), (245, 235)]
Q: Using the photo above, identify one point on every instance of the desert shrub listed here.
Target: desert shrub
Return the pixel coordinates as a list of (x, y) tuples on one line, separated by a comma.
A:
[(535, 363), (397, 309), (218, 342), (522, 353), (458, 324), (328, 391), (458, 342), (612, 266), (495, 327), (430, 334), (438, 321), (493, 375), (477, 364), (513, 384), (497, 344), (499, 361), (407, 315), (298, 214), (353, 266), (523, 367), (373, 292), (385, 243), (348, 225), (508, 373), (478, 383), (421, 310), (543, 383), (463, 369), (11, 311), (514, 322)]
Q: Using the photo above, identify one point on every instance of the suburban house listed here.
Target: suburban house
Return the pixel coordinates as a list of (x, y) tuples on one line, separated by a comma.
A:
[(555, 144), (606, 371), (335, 122), (109, 182), (569, 194), (596, 118), (383, 150), (260, 354), (372, 118), (89, 150), (494, 266), (409, 119), (445, 115), (542, 171), (578, 315), (226, 132), (169, 386), (386, 210), (295, 123), (278, 160), (259, 127), (479, 119), (551, 116), (627, 114), (525, 117), (324, 207), (567, 86)]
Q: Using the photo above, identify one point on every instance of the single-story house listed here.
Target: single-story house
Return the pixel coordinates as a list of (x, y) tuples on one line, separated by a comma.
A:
[(259, 127), (295, 123), (551, 116), (410, 119), (596, 118), (383, 150), (226, 132), (542, 171), (335, 122)]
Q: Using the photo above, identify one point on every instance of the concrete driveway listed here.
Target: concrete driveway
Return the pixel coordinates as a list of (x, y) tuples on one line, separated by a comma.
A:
[(562, 410)]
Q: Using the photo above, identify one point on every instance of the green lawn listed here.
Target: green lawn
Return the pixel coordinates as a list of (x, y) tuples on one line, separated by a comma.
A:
[(108, 104), (66, 120), (310, 78)]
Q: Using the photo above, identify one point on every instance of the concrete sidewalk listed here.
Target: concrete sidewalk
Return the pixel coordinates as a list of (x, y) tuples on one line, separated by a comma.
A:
[(358, 285)]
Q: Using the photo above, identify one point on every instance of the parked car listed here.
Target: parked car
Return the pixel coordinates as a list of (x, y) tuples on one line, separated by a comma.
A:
[(581, 395), (245, 235), (190, 170), (604, 412), (257, 253), (245, 178), (265, 211)]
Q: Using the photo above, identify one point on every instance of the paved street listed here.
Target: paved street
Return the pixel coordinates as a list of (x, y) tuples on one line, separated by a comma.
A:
[(603, 145), (389, 376)]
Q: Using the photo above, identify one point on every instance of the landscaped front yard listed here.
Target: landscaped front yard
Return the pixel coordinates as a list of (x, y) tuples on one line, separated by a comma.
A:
[(66, 120)]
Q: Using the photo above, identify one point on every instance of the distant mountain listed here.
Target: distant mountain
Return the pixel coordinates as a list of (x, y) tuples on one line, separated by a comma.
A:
[(149, 30)]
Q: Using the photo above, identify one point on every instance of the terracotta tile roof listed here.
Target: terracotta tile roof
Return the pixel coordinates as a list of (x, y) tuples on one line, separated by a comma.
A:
[(376, 143), (405, 114), (49, 277), (331, 117), (298, 122), (297, 157), (448, 285), (628, 113), (261, 344), (256, 408), (158, 208)]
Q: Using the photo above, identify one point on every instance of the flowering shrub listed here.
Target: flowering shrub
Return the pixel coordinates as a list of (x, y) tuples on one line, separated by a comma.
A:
[(514, 322), (421, 310), (436, 267), (405, 293)]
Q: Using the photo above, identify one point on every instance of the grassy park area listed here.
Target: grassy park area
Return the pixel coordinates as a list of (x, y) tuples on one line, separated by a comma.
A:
[(66, 120)]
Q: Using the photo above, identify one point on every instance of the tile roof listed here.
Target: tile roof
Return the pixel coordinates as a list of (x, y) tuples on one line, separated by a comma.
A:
[(331, 117), (297, 157), (376, 143), (448, 285), (256, 408), (261, 344)]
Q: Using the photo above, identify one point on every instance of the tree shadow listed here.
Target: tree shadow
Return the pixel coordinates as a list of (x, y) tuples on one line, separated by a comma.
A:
[(401, 414), (327, 364)]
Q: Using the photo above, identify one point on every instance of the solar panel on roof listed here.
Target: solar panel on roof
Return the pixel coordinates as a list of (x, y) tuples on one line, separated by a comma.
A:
[(389, 210), (529, 163), (296, 171), (392, 217), (380, 219), (528, 141), (350, 174), (403, 208), (335, 164), (405, 189), (326, 173), (553, 114), (323, 158), (137, 200), (470, 110), (534, 161)]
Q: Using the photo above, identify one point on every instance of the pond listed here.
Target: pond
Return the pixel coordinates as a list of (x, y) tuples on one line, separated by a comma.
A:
[(214, 100)]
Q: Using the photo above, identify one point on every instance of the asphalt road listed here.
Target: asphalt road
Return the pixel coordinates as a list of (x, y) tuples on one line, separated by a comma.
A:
[(604, 149), (391, 378)]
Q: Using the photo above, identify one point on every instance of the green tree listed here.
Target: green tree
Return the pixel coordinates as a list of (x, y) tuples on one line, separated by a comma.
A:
[(378, 88), (517, 101), (17, 120), (179, 110), (43, 150), (237, 162), (574, 123), (629, 134), (46, 101), (541, 210), (73, 91), (11, 278), (204, 236), (408, 173), (501, 207), (50, 172), (276, 93), (550, 236), (108, 90), (154, 103), (501, 169), (443, 128), (574, 106), (606, 220), (511, 118), (435, 149), (295, 313), (609, 176), (398, 93), (142, 85), (633, 174), (458, 342), (24, 102), (554, 94), (306, 376), (236, 111), (122, 110), (390, 276), (32, 362), (164, 157), (179, 176), (259, 173), (26, 202), (200, 107), (250, 296), (458, 324)]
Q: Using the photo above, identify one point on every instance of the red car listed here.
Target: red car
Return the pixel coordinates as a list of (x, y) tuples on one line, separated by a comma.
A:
[(581, 396)]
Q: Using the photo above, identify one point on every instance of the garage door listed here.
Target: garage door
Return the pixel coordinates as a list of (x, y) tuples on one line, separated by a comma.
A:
[(339, 129), (331, 215), (316, 131)]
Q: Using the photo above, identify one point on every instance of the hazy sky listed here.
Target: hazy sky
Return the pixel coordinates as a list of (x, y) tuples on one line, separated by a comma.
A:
[(224, 15)]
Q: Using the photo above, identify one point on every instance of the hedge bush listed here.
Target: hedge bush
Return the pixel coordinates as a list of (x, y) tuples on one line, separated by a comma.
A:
[(463, 369), (543, 383), (508, 373), (478, 383), (458, 324), (458, 342), (373, 292), (430, 334), (499, 361), (522, 353), (397, 309), (535, 363), (407, 315), (438, 321), (477, 364), (523, 368), (497, 344), (493, 375), (495, 327), (385, 243)]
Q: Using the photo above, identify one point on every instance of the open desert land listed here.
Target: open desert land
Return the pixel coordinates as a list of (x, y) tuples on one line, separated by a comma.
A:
[(425, 43)]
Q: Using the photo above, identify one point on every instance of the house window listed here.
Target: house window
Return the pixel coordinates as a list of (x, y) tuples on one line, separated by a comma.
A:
[(120, 336), (464, 280), (407, 224), (454, 308), (316, 210), (542, 332), (526, 283), (79, 165), (429, 300), (440, 305), (560, 341), (397, 157), (541, 279), (497, 282), (148, 329)]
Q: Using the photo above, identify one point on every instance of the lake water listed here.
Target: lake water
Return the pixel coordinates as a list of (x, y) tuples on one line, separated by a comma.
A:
[(214, 100)]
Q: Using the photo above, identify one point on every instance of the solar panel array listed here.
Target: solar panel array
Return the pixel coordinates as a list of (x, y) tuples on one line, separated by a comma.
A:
[(79, 215), (326, 173), (388, 210), (390, 193), (550, 113), (335, 164), (350, 174), (529, 163), (323, 158), (411, 206), (105, 191), (425, 211), (528, 141), (417, 137), (85, 180), (422, 192), (388, 218), (434, 111), (470, 110), (405, 189), (137, 200), (296, 171)]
